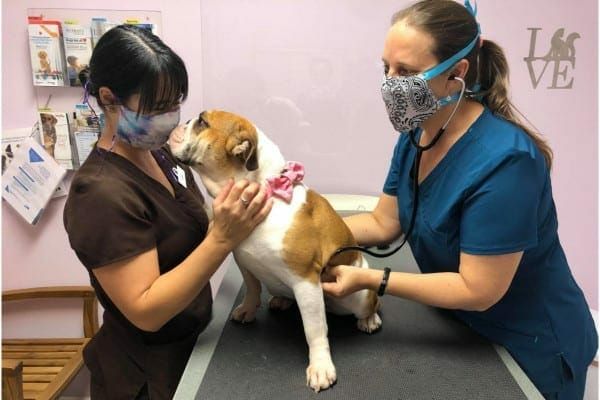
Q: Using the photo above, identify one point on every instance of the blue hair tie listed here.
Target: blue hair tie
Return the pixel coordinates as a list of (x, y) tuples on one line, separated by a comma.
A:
[(472, 10)]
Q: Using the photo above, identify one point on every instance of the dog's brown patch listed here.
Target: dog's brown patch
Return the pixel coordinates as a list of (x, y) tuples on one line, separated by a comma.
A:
[(315, 234), (224, 142), (374, 303), (228, 131)]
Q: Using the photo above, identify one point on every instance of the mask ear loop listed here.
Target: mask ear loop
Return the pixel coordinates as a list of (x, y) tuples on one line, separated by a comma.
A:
[(86, 100), (113, 141)]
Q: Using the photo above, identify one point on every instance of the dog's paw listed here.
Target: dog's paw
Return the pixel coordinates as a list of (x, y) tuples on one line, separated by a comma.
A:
[(280, 303), (245, 312), (369, 324), (320, 375)]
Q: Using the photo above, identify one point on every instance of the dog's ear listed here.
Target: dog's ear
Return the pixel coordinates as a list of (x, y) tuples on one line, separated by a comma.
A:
[(245, 141), (246, 153)]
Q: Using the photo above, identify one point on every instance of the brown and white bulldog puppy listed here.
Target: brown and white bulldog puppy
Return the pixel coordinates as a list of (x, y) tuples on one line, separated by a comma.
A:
[(297, 240)]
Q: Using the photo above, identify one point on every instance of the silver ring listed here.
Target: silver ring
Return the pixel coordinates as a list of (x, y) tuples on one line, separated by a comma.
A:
[(244, 201)]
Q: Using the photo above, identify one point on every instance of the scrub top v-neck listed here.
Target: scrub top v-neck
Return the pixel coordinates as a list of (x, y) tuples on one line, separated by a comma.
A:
[(491, 194), (114, 212)]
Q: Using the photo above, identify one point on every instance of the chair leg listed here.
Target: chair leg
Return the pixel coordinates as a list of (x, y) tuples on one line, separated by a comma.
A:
[(12, 380), (90, 316)]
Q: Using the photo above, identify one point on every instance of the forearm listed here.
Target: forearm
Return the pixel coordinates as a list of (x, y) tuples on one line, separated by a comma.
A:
[(441, 289), (368, 230), (173, 291)]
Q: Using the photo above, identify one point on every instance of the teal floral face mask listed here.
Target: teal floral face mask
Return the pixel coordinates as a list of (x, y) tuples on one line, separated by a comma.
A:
[(148, 132)]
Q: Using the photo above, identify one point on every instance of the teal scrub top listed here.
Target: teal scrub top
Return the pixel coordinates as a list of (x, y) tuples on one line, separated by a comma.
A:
[(491, 194)]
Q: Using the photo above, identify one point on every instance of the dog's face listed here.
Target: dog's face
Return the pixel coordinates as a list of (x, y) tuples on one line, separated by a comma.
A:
[(48, 120), (42, 55), (218, 145)]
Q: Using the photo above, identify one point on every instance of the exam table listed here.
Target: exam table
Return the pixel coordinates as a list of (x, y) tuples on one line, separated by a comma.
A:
[(420, 353)]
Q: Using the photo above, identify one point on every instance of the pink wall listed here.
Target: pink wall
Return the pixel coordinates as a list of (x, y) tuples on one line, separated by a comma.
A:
[(307, 72)]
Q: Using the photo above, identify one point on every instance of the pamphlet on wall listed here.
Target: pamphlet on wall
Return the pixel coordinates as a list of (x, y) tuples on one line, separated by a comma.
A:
[(144, 25), (54, 136), (45, 47), (85, 131), (99, 26), (78, 50), (11, 143), (30, 180)]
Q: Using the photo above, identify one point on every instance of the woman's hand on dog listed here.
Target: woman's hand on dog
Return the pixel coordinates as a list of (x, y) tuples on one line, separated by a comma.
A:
[(238, 209), (342, 280)]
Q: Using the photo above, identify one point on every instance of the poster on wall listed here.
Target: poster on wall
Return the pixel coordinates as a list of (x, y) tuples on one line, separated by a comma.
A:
[(30, 180), (11, 142)]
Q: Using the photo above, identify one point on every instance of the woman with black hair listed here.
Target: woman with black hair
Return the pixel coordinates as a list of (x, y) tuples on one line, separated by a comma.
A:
[(137, 222)]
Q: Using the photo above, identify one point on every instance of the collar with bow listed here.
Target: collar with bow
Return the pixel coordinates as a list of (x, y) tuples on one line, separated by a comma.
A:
[(282, 186)]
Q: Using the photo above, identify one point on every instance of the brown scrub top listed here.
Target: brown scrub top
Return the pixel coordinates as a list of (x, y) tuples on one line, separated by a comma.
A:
[(115, 211)]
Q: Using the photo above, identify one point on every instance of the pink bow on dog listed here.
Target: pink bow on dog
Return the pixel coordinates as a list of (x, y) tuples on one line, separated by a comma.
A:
[(282, 186)]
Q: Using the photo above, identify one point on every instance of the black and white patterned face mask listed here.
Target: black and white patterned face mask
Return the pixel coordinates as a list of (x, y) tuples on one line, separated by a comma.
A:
[(409, 101)]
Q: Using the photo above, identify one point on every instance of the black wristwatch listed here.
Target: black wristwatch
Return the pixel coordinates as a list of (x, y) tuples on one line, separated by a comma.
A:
[(384, 281)]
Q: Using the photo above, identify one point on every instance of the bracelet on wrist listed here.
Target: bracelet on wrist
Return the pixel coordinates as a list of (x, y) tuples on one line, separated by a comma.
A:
[(384, 281)]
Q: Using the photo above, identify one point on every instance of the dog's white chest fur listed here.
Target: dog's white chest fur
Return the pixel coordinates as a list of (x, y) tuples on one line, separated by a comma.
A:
[(261, 252)]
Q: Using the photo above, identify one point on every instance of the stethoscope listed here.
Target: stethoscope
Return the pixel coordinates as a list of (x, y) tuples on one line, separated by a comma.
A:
[(417, 163)]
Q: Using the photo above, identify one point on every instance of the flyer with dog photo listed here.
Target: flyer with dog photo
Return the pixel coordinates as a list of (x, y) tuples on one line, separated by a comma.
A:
[(45, 46), (54, 136), (30, 180)]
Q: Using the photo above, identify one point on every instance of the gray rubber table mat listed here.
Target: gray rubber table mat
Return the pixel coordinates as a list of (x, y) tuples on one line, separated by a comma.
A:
[(420, 353)]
